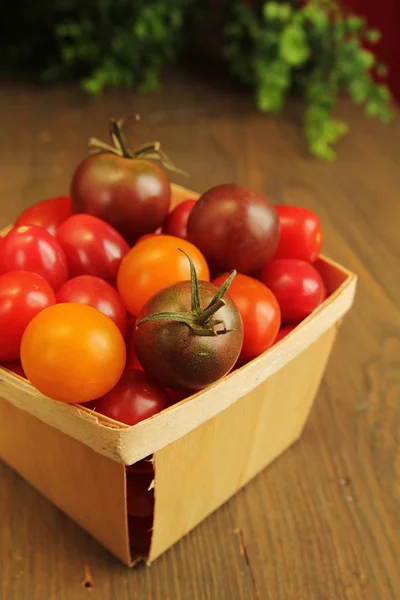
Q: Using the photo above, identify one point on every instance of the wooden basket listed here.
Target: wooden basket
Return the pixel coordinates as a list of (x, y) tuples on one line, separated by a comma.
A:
[(205, 448)]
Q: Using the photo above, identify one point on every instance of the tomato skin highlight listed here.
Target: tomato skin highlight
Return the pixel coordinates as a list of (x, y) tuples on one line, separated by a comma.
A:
[(82, 353), (260, 312), (32, 248), (173, 354), (48, 213), (95, 292), (92, 247), (176, 222), (234, 227), (301, 234), (154, 264), (22, 296), (132, 195), (134, 398), (297, 285)]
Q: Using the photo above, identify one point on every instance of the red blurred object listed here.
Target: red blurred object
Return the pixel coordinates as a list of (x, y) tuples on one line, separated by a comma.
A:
[(49, 213), (385, 16), (140, 531), (132, 361), (139, 499), (93, 291), (176, 222)]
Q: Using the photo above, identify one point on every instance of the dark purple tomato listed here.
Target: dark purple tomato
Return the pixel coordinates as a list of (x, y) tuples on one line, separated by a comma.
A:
[(139, 499), (234, 227), (132, 195), (176, 222), (300, 233), (135, 397), (171, 352), (93, 291), (92, 247), (34, 249), (297, 286), (140, 532), (49, 213)]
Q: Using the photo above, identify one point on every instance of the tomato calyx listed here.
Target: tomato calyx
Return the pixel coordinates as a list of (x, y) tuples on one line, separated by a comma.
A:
[(201, 321), (149, 151)]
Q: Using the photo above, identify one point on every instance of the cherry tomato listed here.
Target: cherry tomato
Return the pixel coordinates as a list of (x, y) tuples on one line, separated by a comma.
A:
[(15, 367), (132, 361), (73, 353), (32, 248), (142, 466), (49, 213), (234, 227), (139, 499), (154, 264), (92, 247), (133, 195), (284, 331), (297, 286), (134, 398), (178, 356), (95, 292), (22, 296), (301, 233), (140, 532), (176, 222), (259, 310)]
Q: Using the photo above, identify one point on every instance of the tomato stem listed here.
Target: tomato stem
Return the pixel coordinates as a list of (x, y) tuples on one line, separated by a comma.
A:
[(148, 151), (201, 320)]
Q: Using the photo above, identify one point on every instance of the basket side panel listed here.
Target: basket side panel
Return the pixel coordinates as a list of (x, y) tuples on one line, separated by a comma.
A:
[(200, 471), (87, 486)]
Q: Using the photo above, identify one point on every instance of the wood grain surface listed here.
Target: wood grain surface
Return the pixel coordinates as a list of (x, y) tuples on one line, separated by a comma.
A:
[(323, 521)]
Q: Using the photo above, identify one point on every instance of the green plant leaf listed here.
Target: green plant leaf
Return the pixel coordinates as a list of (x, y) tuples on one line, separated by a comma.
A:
[(293, 47)]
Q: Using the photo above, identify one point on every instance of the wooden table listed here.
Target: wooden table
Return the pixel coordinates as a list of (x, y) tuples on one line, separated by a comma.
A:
[(323, 522)]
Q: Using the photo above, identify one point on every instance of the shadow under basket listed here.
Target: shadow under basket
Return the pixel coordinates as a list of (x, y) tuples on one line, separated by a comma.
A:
[(205, 448)]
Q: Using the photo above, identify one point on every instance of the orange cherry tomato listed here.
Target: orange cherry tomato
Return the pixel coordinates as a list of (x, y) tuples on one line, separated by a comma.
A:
[(73, 353), (154, 264)]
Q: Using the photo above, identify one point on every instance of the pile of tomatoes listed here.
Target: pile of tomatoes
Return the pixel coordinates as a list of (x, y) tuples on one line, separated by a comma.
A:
[(110, 298)]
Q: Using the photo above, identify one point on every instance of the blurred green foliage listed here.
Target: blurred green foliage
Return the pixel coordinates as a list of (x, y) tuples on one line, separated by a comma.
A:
[(311, 49)]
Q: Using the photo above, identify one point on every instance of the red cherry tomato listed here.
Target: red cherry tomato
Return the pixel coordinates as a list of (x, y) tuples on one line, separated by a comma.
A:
[(32, 248), (284, 331), (300, 233), (134, 398), (92, 247), (132, 361), (95, 292), (140, 532), (259, 310), (139, 499), (49, 213), (22, 296), (16, 367), (142, 466), (176, 222), (297, 286)]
